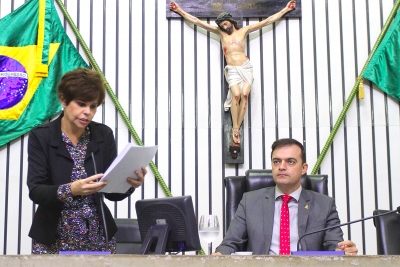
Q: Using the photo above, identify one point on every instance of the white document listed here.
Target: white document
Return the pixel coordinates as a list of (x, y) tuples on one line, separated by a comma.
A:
[(131, 158)]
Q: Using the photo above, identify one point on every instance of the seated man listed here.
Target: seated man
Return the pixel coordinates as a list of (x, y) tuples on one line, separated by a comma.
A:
[(258, 217)]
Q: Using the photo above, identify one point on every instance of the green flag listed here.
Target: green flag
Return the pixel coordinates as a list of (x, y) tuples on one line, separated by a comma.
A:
[(35, 52), (384, 67)]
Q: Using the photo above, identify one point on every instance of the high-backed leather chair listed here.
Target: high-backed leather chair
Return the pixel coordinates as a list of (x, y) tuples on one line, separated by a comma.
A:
[(387, 233), (128, 236), (236, 186)]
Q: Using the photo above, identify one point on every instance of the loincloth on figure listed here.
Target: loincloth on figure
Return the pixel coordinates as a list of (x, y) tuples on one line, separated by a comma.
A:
[(237, 75)]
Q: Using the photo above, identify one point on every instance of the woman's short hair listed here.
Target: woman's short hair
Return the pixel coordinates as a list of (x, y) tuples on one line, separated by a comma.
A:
[(82, 84)]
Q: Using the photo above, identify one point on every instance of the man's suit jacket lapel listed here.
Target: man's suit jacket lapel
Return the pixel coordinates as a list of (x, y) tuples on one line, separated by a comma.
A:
[(303, 211), (268, 211)]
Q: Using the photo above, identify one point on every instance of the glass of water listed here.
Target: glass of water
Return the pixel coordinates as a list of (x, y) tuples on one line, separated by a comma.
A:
[(209, 229)]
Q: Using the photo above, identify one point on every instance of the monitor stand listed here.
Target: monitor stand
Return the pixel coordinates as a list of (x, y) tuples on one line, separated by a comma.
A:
[(157, 233)]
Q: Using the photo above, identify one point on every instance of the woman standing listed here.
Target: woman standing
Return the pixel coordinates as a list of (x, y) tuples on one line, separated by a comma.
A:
[(64, 157)]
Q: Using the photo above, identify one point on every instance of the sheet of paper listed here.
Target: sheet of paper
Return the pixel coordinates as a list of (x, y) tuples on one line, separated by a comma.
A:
[(131, 158)]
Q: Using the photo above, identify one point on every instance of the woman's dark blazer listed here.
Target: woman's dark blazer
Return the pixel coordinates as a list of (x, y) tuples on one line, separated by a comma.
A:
[(50, 165)]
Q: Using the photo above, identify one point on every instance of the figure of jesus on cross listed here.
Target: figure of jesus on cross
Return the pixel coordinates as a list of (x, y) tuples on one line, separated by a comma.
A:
[(238, 71)]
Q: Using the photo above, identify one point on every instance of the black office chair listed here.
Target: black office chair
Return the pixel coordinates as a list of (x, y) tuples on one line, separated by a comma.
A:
[(387, 233), (236, 186), (128, 236)]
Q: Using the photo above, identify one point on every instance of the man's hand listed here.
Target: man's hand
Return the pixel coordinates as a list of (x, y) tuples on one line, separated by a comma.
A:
[(348, 247), (291, 5), (173, 6), (216, 254)]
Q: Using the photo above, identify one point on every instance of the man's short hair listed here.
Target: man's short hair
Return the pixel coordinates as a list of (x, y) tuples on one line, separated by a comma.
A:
[(289, 142), (225, 16)]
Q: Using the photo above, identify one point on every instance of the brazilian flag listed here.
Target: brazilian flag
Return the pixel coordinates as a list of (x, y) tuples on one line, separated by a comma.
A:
[(35, 52)]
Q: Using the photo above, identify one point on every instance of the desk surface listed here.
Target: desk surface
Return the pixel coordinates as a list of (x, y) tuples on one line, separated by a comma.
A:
[(183, 261)]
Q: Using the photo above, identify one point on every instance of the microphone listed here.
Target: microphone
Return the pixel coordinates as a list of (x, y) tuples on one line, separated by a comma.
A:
[(343, 224), (102, 208)]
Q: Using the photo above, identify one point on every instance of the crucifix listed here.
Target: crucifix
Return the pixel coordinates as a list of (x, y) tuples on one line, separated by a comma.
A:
[(238, 70)]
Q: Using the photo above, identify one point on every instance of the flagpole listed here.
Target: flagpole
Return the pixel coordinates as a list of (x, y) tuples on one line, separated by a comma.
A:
[(112, 95), (355, 90)]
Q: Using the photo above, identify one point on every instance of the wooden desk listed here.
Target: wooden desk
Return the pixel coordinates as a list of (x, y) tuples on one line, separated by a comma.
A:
[(195, 261)]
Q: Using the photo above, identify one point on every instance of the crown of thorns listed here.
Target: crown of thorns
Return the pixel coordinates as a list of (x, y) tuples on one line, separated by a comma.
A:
[(225, 16)]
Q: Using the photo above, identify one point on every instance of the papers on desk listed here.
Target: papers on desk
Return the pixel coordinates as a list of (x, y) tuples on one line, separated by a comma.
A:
[(131, 158)]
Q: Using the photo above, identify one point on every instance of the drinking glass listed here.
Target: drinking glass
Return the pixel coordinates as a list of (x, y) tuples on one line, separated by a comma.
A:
[(209, 229)]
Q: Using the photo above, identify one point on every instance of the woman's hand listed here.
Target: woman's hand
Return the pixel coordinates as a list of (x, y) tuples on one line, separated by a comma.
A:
[(137, 182), (87, 186)]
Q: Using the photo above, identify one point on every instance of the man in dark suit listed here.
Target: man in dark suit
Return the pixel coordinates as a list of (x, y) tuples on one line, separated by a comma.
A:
[(257, 220)]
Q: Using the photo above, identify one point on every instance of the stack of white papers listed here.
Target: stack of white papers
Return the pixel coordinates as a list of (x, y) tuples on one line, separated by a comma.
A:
[(131, 158)]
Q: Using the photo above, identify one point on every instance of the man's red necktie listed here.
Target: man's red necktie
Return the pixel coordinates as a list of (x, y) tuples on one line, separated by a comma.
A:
[(284, 244)]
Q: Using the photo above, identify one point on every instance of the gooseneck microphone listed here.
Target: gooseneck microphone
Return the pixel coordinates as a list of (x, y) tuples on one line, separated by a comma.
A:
[(102, 207), (343, 224)]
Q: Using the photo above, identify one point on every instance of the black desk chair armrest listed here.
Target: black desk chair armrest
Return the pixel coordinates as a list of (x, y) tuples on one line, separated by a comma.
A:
[(128, 236), (235, 186), (387, 233)]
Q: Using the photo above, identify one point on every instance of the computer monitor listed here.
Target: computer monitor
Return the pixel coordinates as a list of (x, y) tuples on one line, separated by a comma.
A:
[(167, 225)]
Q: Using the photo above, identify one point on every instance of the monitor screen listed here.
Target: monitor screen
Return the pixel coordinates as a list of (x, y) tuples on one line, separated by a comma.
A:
[(167, 225)]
